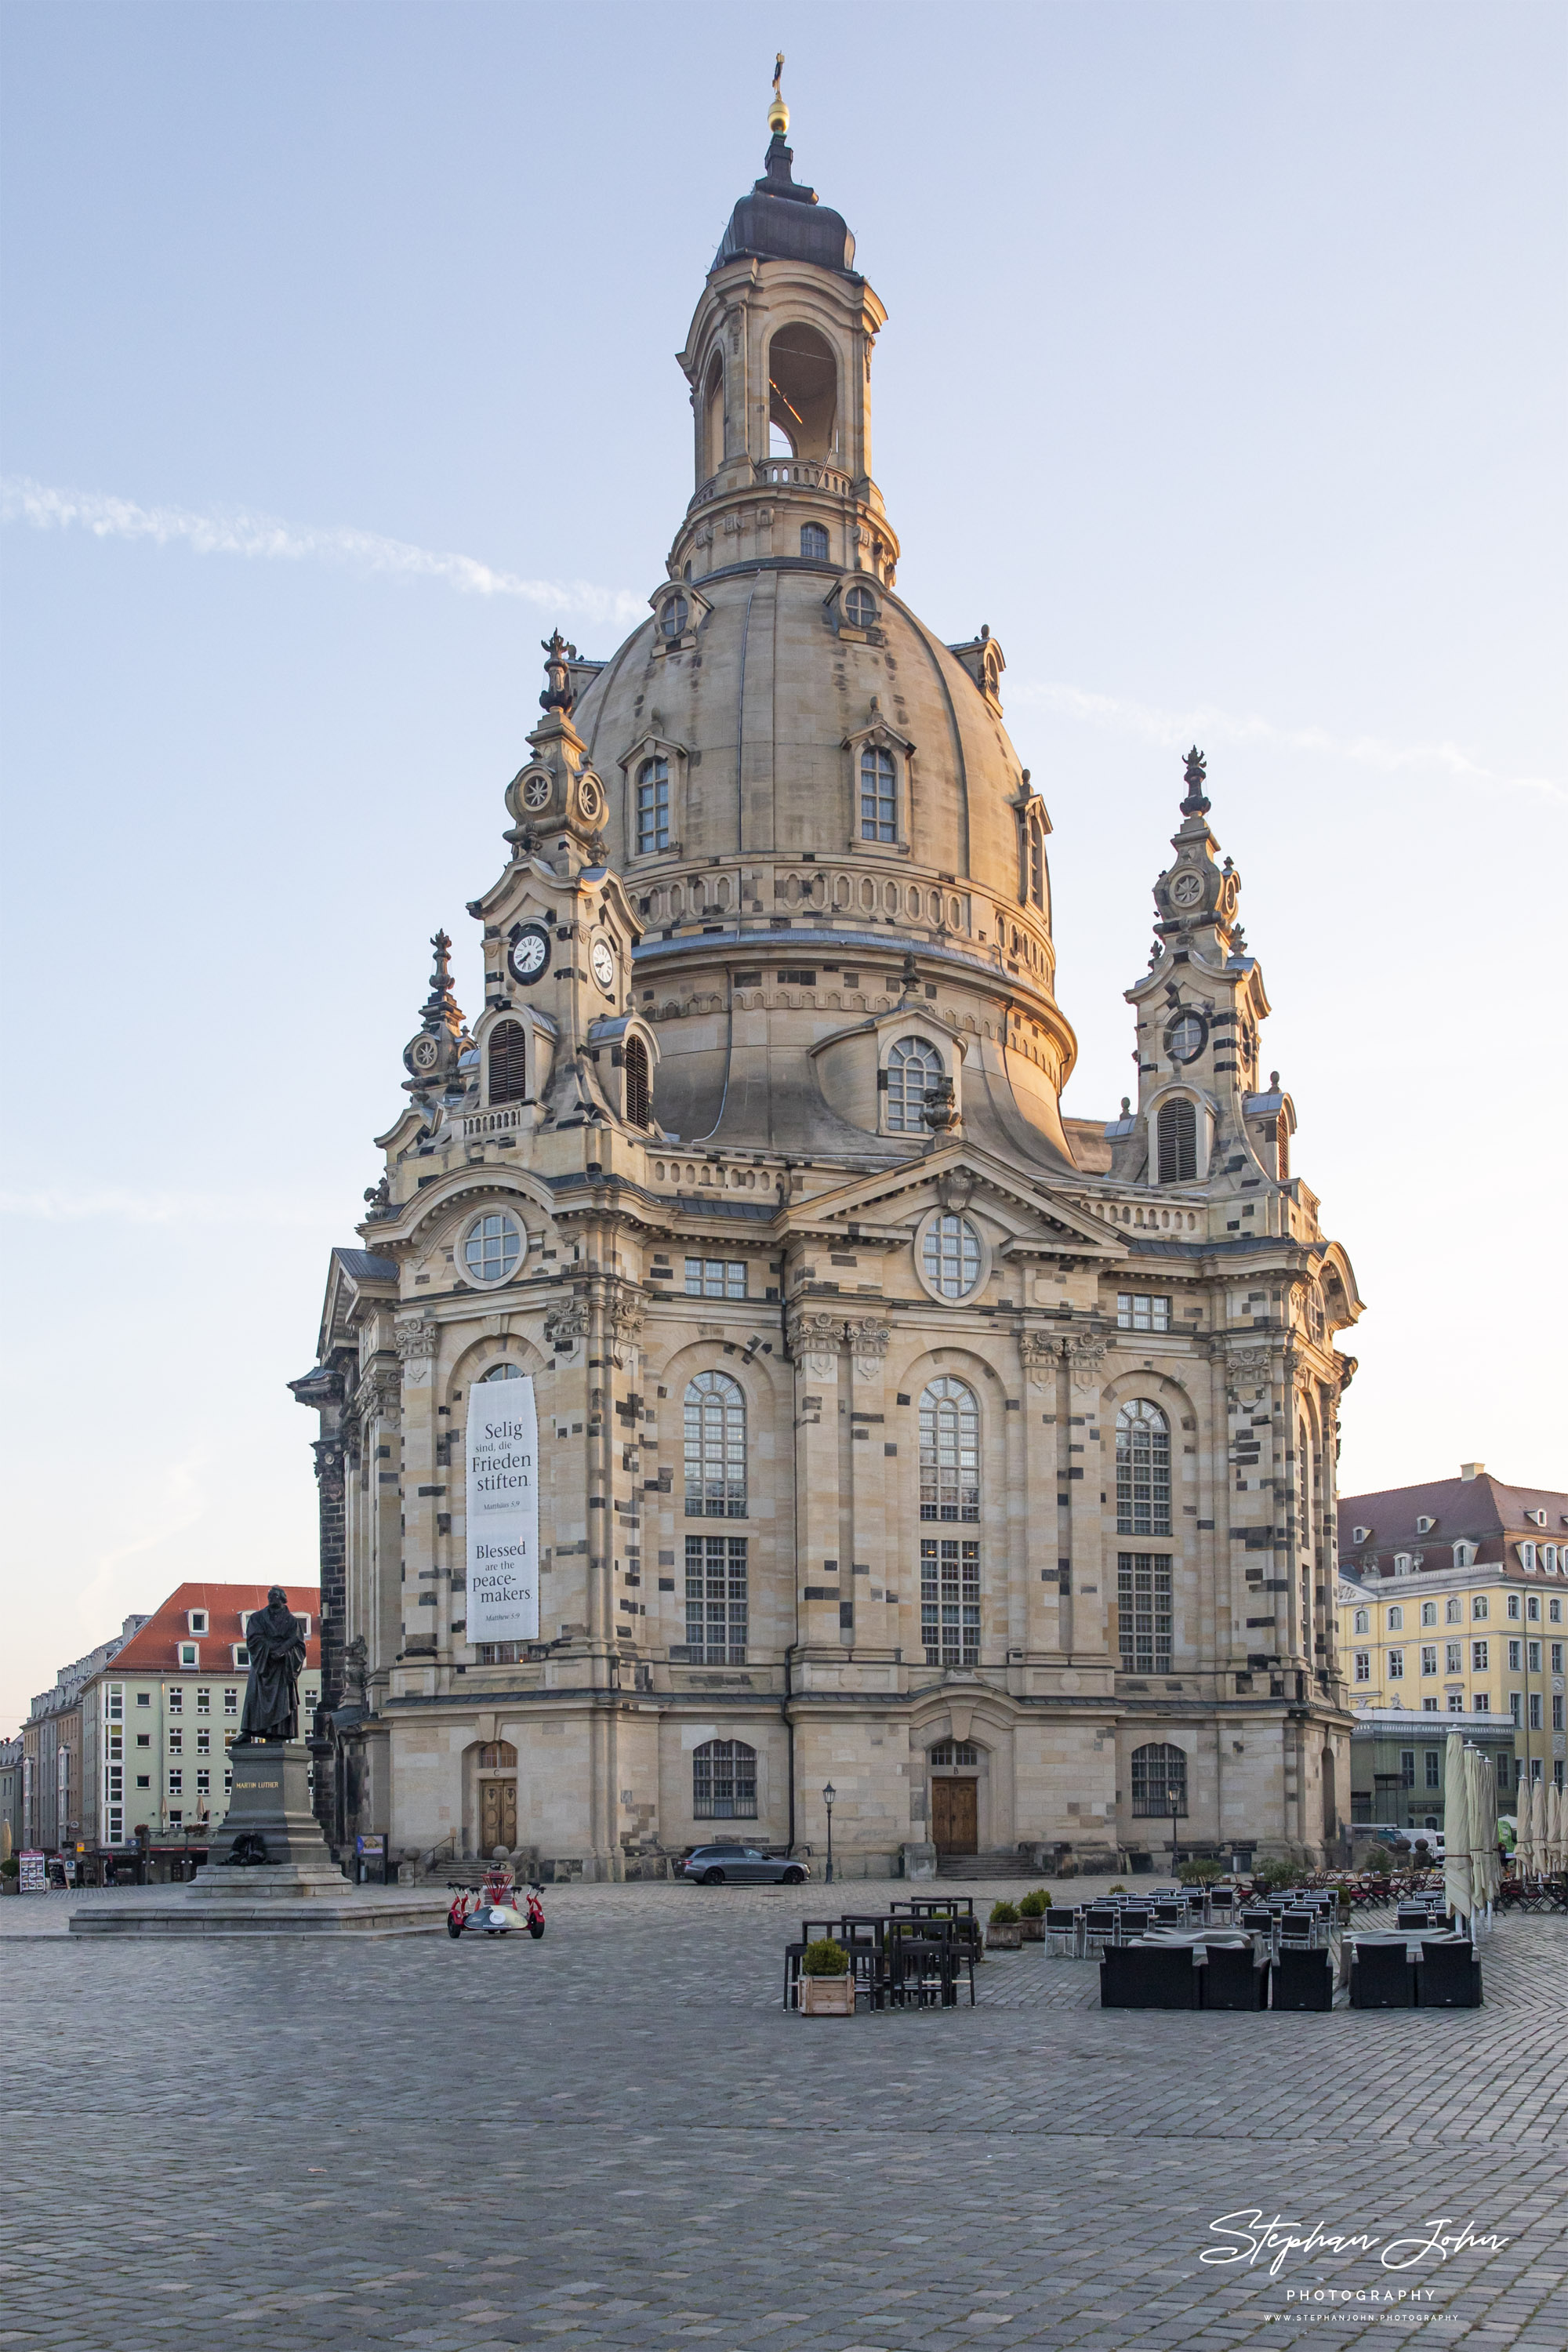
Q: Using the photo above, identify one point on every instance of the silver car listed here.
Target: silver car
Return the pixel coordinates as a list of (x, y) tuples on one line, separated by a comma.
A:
[(732, 1863)]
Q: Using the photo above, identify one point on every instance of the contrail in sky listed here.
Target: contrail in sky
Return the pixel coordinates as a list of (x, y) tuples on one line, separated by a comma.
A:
[(243, 533), (366, 552)]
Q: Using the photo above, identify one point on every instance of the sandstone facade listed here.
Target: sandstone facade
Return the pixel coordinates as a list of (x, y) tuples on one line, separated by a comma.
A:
[(895, 1434)]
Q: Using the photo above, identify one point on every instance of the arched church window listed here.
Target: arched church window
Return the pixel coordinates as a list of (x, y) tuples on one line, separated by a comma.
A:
[(814, 541), (637, 1083), (674, 614), (949, 1452), (715, 1448), (779, 442), (913, 1068), (1159, 1780), (1143, 1469), (724, 1781), (508, 1063), (860, 608), (500, 1372), (1178, 1141), (653, 807), (879, 794), (497, 1756), (1282, 1133), (715, 414), (803, 393)]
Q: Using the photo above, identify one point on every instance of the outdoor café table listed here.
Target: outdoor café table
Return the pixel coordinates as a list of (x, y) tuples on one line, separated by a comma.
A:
[(922, 1967), (959, 1908)]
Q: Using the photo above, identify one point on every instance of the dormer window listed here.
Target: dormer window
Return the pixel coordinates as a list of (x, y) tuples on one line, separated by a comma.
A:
[(190, 1656), (638, 1104), (1360, 1535), (879, 794), (814, 542), (196, 1621), (653, 807), (674, 615), (860, 608), (507, 1056), (1402, 1563), (1424, 1526)]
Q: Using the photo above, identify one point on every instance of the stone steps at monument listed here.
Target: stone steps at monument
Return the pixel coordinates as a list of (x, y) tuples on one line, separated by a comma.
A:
[(986, 1865)]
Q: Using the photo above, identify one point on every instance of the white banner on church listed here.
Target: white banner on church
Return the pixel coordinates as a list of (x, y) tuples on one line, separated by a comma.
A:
[(504, 1511)]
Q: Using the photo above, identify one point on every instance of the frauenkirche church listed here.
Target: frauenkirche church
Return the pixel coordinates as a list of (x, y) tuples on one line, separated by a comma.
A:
[(747, 1379)]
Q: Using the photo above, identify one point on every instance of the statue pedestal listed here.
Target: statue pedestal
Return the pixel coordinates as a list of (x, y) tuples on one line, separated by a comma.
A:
[(270, 1800)]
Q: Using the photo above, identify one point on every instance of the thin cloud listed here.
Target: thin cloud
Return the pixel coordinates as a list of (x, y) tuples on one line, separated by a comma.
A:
[(114, 1205), (361, 552), (1174, 728)]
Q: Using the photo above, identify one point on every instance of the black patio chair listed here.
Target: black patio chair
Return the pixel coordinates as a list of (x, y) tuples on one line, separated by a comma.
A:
[(1234, 1976), (1302, 1979), (1382, 1973), (1448, 1975), (1150, 1975)]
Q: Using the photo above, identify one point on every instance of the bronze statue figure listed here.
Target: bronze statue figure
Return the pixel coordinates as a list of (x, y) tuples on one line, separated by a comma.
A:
[(276, 1641)]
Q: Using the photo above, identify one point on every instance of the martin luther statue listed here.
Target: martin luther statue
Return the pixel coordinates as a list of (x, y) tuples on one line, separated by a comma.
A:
[(276, 1641)]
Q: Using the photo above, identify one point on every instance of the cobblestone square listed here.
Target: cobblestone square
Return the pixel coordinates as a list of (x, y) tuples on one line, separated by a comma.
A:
[(617, 2137)]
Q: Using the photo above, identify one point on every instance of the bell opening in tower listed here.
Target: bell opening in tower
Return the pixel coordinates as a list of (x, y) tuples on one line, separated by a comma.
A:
[(802, 394)]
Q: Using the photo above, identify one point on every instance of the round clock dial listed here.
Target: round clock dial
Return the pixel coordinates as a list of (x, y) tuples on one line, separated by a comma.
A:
[(1186, 890), (536, 791), (528, 952), (602, 960)]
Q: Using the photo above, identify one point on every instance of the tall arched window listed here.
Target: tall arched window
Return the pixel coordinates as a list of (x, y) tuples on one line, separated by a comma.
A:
[(1178, 1141), (715, 1448), (653, 807), (913, 1068), (1034, 874), (1282, 1134), (500, 1372), (638, 1104), (949, 1452), (879, 794), (814, 541), (724, 1781), (1143, 1470), (508, 1063), (1159, 1780)]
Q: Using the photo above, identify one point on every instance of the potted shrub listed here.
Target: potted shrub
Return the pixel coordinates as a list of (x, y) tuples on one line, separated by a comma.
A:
[(827, 1987), (1006, 1932), (1032, 1913)]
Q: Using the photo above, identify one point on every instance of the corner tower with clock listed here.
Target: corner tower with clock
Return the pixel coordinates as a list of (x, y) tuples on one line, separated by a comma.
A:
[(893, 1429)]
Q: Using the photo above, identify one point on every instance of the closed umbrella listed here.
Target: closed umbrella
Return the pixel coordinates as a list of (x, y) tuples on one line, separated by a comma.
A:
[(1456, 1828), (1557, 1827), (1538, 1826), (1479, 1828), (1489, 1795)]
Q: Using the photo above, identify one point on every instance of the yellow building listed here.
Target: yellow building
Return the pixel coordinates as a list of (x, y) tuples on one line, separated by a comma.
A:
[(1453, 1598)]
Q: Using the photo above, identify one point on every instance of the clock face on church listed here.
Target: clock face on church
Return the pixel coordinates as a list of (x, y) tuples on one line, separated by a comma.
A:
[(603, 961), (528, 952)]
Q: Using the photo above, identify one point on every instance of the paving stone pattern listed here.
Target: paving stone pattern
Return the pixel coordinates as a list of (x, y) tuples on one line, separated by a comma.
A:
[(617, 2137)]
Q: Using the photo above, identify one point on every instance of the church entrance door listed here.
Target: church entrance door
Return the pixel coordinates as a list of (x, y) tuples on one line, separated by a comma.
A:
[(955, 1816), (498, 1815)]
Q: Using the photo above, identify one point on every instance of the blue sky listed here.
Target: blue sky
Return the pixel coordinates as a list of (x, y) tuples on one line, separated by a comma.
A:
[(1223, 377)]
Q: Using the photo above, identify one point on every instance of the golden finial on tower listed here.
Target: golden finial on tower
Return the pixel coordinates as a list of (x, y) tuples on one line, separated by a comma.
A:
[(778, 112)]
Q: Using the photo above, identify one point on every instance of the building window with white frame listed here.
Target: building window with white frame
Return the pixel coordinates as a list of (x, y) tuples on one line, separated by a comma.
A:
[(1361, 1622), (1396, 1666), (1479, 1653), (1429, 1658), (914, 1069), (1453, 1662), (1396, 1621), (1453, 1612), (879, 794), (1480, 1607), (715, 1278), (1143, 1469), (950, 1451), (950, 1601), (951, 1256), (1362, 1668), (1143, 1596), (715, 1448), (1136, 1310), (653, 807), (716, 1601)]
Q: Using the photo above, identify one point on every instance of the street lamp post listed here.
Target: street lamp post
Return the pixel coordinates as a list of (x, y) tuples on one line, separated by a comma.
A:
[(828, 1794), (1175, 1816)]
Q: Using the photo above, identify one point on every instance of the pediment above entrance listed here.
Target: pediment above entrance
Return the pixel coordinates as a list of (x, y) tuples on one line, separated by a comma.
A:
[(1032, 1217)]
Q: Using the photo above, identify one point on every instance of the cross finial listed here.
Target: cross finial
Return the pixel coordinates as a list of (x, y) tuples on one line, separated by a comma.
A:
[(1196, 779), (778, 112)]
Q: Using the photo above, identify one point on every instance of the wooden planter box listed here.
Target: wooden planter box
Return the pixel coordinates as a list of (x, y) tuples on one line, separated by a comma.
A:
[(827, 1996), (1008, 1940)]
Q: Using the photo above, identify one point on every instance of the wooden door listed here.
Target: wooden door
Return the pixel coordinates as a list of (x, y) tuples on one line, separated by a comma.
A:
[(954, 1816), (498, 1815)]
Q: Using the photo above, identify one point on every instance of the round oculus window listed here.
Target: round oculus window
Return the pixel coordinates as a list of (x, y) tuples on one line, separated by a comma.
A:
[(675, 615), (588, 798), (859, 608), (1186, 1037), (1186, 889), (536, 791), (423, 1052), (492, 1247), (952, 1256)]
